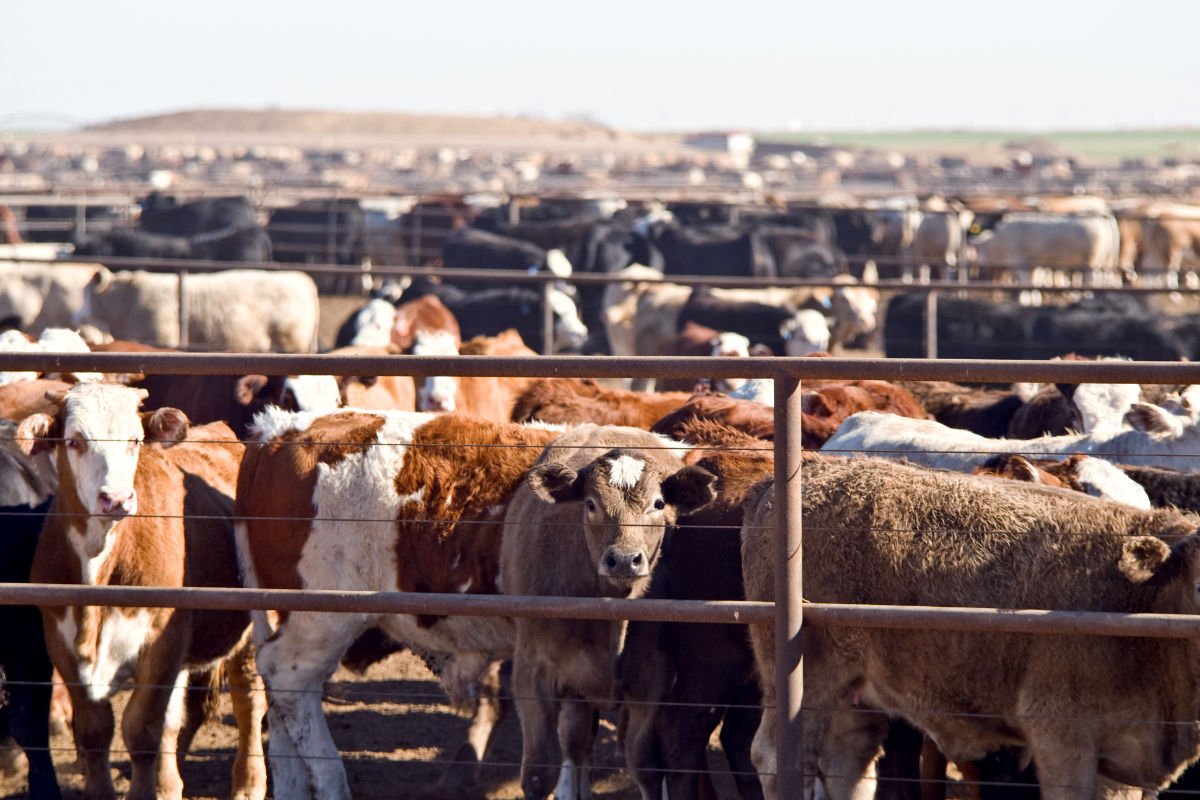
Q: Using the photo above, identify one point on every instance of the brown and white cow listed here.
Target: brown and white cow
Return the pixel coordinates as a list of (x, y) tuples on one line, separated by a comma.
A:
[(372, 501), (486, 397), (589, 522), (144, 500)]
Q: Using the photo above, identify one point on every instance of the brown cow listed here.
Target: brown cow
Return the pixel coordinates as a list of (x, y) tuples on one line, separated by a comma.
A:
[(157, 514), (20, 399), (426, 313), (588, 522), (492, 398), (568, 400), (751, 418), (879, 532), (372, 501)]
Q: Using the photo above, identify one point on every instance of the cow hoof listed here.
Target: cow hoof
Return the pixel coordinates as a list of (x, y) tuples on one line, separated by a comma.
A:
[(12, 759)]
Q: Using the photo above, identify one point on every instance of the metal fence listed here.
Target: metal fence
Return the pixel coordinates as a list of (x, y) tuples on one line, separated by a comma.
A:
[(788, 613)]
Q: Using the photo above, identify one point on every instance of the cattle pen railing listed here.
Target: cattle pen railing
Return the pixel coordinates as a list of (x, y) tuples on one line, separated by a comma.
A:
[(788, 612)]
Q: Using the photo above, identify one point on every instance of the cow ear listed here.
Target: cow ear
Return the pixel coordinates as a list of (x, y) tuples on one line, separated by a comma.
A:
[(690, 489), (57, 396), (1024, 470), (248, 387), (38, 433), (1143, 556), (555, 483), (166, 426), (1152, 419)]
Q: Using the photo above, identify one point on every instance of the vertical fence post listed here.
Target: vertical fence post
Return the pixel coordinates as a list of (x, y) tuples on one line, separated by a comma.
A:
[(547, 318), (183, 310), (931, 321), (789, 651)]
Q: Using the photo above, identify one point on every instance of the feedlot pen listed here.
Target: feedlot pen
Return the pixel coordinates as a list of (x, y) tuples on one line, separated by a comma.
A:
[(403, 757)]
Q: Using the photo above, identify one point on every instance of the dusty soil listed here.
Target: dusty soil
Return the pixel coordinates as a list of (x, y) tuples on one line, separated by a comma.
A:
[(395, 734)]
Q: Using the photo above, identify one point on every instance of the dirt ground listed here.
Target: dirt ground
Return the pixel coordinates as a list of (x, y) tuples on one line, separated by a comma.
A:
[(395, 734)]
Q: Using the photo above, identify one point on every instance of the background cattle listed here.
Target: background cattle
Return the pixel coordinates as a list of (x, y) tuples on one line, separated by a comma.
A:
[(39, 296), (236, 310), (323, 232)]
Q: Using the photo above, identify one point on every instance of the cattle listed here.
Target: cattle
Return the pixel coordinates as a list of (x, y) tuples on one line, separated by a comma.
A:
[(323, 232), (236, 310), (483, 397), (1156, 437), (714, 250), (1102, 326), (595, 505), (471, 248), (574, 400), (937, 245), (423, 314), (143, 500), (164, 214), (369, 326), (1084, 247), (22, 398), (1168, 488), (51, 340), (698, 340), (42, 296), (778, 327), (59, 223), (27, 486), (800, 254), (883, 533), (243, 245), (751, 418), (488, 312), (1092, 476), (1170, 243), (370, 391), (320, 493), (683, 679)]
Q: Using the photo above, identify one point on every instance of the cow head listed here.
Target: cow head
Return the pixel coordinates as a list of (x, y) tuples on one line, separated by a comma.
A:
[(316, 393), (1174, 569), (436, 393), (626, 504), (99, 434), (570, 334)]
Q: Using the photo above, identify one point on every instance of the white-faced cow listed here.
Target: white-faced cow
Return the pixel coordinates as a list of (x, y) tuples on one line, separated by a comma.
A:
[(143, 501)]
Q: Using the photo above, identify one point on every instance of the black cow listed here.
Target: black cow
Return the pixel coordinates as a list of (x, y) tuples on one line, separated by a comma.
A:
[(714, 250), (248, 245), (472, 248), (761, 323), (800, 254), (970, 328), (26, 491), (322, 232), (685, 678), (491, 311), (166, 215)]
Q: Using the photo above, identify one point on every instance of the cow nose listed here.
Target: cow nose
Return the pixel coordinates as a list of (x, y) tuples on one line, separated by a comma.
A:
[(617, 564), (117, 504), (437, 404)]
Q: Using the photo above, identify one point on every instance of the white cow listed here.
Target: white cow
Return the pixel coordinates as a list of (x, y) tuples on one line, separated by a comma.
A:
[(251, 311), (1071, 247), (39, 296)]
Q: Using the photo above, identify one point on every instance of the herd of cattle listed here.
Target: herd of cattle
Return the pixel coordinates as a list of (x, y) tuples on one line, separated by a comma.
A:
[(1057, 496), (1079, 497)]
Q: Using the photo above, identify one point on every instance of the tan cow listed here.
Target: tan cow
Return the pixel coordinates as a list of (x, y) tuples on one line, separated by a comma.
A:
[(143, 501), (570, 400), (372, 501), (878, 532), (589, 522)]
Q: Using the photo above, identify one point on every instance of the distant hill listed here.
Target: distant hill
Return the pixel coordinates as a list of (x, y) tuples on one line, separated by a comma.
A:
[(352, 124)]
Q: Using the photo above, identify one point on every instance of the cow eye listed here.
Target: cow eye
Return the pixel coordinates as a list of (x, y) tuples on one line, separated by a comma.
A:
[(590, 505), (75, 443), (134, 444), (659, 504)]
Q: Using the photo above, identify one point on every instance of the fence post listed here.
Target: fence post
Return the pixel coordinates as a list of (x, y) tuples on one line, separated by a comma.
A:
[(789, 610), (547, 318), (931, 321), (183, 310)]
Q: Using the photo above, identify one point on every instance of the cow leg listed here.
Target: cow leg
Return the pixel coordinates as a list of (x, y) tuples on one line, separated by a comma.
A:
[(294, 666), (1066, 762), (762, 753), (643, 758), (737, 734), (151, 726), (685, 735), (538, 713), (849, 753), (490, 709), (94, 728), (249, 699), (577, 722)]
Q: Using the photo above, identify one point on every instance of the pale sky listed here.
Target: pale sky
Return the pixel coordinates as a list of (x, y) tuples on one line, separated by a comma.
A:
[(640, 64)]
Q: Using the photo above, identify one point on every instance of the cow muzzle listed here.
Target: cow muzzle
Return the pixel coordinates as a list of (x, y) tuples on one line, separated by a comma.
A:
[(116, 504), (624, 564)]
